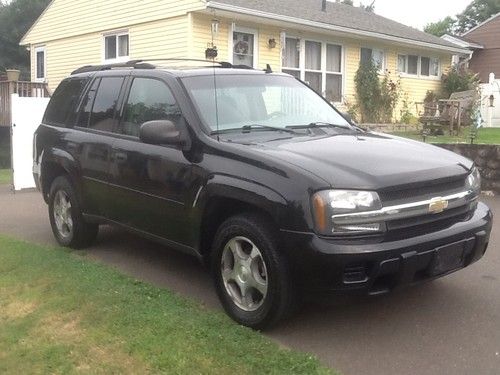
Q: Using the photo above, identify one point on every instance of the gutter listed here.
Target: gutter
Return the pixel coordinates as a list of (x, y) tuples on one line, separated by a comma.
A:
[(299, 21)]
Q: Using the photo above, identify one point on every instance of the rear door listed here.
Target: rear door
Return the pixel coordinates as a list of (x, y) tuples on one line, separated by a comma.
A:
[(93, 140), (150, 183)]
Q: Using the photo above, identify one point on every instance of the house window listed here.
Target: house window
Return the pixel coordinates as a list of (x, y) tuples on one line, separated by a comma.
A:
[(319, 64), (313, 73), (291, 57), (40, 64), (116, 47), (333, 84), (376, 55), (419, 65), (244, 47), (412, 65)]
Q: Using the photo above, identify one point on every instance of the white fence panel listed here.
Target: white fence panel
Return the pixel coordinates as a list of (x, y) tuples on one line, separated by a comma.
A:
[(491, 115), (27, 114)]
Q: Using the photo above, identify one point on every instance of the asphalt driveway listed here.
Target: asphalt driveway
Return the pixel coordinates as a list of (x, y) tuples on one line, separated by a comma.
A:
[(450, 326)]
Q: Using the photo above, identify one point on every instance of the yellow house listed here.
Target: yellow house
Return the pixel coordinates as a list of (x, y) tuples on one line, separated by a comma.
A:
[(319, 42)]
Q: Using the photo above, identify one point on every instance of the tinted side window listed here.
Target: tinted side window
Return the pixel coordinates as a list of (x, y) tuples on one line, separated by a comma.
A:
[(86, 107), (149, 99), (62, 106), (102, 116)]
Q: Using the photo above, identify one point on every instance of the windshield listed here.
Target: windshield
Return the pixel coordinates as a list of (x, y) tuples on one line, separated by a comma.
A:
[(264, 101)]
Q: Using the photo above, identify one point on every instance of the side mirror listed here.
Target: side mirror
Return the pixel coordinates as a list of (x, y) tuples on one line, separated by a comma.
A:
[(159, 132)]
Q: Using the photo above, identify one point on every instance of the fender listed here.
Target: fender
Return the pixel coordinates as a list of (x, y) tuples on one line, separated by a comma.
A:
[(246, 191), (66, 161)]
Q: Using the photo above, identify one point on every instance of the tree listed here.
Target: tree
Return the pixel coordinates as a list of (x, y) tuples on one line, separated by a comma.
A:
[(475, 13), (439, 28), (369, 8), (16, 17)]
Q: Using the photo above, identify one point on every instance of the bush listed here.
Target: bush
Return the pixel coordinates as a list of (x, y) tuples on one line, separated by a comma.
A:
[(376, 98), (368, 92), (458, 78)]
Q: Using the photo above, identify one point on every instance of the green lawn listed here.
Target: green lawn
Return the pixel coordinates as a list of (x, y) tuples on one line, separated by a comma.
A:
[(5, 176), (484, 136), (62, 313)]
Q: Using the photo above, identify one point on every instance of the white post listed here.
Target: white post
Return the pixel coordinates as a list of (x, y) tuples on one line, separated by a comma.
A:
[(490, 108)]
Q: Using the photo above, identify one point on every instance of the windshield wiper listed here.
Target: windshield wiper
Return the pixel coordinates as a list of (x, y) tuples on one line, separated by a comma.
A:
[(319, 124), (249, 128)]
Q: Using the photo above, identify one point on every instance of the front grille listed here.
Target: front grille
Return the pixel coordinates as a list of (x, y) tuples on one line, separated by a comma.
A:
[(427, 224), (421, 193), (426, 219), (413, 226)]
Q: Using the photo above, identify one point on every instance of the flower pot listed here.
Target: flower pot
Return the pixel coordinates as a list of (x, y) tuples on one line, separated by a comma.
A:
[(13, 74)]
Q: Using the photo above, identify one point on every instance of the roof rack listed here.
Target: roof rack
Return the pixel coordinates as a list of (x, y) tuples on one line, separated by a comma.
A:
[(146, 64)]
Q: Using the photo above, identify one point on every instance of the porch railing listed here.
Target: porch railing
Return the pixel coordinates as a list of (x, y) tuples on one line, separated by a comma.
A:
[(23, 89)]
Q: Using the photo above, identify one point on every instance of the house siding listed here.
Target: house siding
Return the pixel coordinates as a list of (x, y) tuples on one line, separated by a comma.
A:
[(65, 55), (70, 18), (487, 60), (202, 37)]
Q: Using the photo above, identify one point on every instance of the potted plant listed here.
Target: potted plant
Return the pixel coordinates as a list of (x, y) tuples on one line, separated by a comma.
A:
[(13, 74)]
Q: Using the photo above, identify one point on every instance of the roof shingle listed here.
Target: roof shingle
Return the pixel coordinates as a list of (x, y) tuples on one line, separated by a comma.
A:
[(339, 15)]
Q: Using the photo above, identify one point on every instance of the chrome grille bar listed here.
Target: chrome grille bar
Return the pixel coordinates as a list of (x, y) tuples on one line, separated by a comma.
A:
[(403, 211)]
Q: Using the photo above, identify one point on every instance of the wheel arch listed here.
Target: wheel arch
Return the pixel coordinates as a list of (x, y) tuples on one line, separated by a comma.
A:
[(224, 197), (57, 162)]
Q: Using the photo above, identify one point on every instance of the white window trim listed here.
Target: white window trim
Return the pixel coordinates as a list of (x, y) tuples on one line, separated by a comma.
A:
[(384, 62), (44, 50), (323, 71), (246, 30), (419, 68), (118, 59)]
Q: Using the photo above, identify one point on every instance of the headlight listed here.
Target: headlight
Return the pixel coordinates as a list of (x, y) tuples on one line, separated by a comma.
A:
[(474, 181), (328, 203)]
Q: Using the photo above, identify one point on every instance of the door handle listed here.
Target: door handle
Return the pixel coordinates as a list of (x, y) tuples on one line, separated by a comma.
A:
[(120, 156)]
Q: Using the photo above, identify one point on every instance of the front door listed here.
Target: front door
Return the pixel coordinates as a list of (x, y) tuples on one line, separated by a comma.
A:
[(150, 182)]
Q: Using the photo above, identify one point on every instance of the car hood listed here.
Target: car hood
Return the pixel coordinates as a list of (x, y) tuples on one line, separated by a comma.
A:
[(369, 160)]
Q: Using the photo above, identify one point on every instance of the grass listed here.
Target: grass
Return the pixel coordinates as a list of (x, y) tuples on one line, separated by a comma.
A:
[(489, 136), (5, 176), (61, 313)]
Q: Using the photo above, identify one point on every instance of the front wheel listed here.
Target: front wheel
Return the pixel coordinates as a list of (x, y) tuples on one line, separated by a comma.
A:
[(252, 278), (66, 219)]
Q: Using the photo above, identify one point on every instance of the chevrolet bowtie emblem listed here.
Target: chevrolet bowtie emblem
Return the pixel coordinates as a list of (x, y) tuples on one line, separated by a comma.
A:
[(438, 205)]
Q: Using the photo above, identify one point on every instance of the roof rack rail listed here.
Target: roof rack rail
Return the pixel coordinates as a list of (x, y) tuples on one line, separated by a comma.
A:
[(146, 64), (134, 64)]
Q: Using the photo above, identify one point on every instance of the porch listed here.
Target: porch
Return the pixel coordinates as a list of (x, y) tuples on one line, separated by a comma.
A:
[(22, 89)]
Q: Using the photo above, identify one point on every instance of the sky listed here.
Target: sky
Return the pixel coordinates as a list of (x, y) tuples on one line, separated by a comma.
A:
[(417, 13)]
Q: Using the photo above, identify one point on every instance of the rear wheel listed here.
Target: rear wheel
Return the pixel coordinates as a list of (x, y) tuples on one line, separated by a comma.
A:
[(251, 276), (66, 219)]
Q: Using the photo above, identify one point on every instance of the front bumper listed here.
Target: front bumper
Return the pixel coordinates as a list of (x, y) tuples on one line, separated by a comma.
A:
[(376, 266)]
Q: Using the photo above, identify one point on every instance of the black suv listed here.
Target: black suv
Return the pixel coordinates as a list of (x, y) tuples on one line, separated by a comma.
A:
[(258, 176)]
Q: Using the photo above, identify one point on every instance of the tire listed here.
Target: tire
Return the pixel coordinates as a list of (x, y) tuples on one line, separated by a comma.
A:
[(269, 293), (66, 219)]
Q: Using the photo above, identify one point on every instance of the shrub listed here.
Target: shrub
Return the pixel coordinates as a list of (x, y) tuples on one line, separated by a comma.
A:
[(368, 92), (458, 78), (376, 98)]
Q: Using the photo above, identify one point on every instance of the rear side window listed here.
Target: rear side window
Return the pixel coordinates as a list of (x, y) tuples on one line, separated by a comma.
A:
[(61, 110), (99, 105), (149, 99)]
